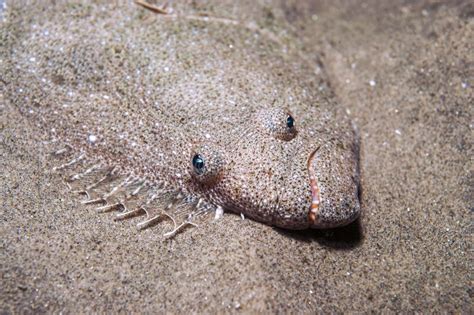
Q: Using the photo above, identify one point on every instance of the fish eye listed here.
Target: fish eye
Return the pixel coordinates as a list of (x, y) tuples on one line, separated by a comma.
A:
[(290, 121), (198, 164), (277, 122), (207, 165)]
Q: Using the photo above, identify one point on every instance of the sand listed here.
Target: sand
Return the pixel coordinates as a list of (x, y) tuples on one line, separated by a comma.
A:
[(404, 71)]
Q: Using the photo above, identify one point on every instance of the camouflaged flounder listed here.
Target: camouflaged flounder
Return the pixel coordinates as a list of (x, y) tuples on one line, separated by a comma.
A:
[(177, 116)]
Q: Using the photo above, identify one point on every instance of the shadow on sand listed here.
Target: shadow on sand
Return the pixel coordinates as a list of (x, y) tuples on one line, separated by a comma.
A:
[(343, 238)]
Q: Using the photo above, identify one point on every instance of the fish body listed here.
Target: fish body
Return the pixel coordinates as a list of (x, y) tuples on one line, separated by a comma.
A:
[(162, 114)]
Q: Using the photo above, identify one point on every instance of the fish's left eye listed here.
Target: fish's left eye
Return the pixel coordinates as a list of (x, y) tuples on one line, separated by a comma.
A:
[(198, 164), (207, 165)]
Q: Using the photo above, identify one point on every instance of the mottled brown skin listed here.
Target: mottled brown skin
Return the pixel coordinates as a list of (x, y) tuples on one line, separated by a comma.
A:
[(156, 92)]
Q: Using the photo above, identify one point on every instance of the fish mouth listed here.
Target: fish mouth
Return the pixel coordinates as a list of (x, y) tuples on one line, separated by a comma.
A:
[(315, 192), (334, 182)]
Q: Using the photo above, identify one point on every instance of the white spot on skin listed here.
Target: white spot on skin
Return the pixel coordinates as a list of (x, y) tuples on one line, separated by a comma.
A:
[(92, 138), (219, 213)]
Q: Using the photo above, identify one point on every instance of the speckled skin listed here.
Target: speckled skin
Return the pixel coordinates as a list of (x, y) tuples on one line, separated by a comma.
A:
[(174, 88)]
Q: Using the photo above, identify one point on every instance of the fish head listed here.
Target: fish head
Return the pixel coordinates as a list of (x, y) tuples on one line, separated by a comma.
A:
[(281, 172)]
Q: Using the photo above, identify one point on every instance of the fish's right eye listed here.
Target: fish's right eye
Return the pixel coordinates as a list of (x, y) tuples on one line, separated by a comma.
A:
[(278, 122), (290, 121)]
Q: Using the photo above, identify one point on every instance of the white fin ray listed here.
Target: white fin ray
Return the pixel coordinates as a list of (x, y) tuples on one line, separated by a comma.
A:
[(132, 196)]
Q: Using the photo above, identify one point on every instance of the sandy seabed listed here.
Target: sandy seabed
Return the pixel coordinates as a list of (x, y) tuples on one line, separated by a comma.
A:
[(405, 72)]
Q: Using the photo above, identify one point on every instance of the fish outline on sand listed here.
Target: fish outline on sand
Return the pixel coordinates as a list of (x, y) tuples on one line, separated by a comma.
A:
[(143, 106)]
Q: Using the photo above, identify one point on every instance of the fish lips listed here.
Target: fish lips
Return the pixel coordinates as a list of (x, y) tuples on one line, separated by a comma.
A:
[(334, 183)]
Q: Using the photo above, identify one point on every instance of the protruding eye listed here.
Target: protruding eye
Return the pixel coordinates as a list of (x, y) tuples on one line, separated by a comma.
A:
[(290, 121), (278, 122), (198, 164), (206, 165)]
